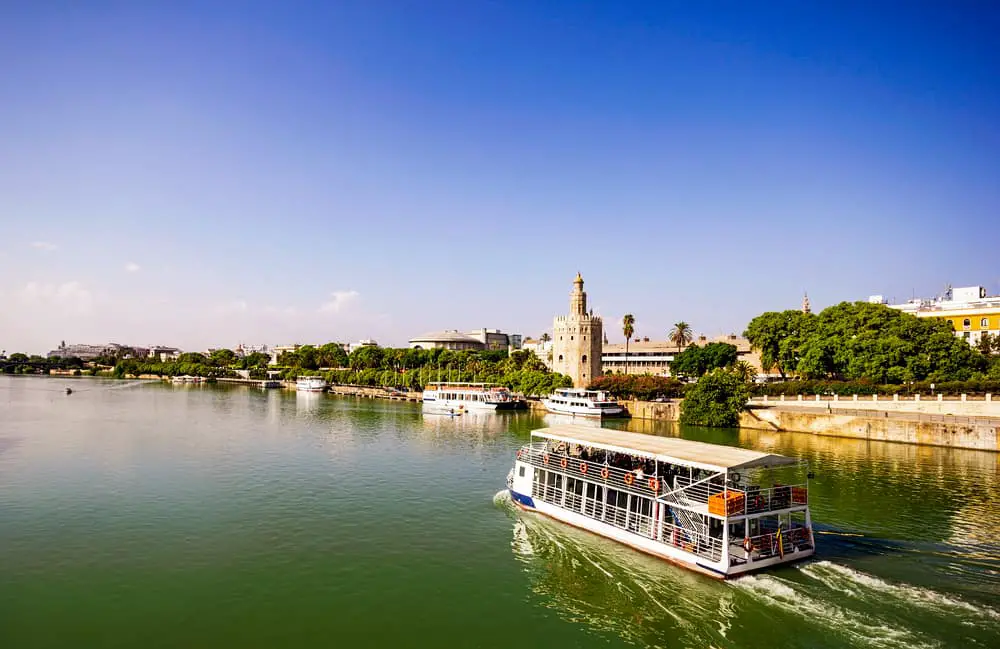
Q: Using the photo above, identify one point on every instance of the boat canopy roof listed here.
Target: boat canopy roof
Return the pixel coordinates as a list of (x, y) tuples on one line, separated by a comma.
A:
[(667, 449)]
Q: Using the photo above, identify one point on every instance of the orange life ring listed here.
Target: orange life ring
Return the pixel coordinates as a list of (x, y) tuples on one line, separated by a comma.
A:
[(629, 479), (563, 463), (747, 544), (654, 484), (519, 454), (583, 468), (605, 473), (545, 458)]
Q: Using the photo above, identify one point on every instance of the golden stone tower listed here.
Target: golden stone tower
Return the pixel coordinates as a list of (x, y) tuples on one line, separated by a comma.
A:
[(577, 340)]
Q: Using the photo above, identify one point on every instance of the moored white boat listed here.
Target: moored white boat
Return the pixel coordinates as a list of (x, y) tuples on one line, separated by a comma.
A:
[(310, 384), (578, 402), (720, 510), (469, 396)]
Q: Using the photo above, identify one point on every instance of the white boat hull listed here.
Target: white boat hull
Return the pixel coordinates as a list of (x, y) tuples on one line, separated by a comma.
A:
[(582, 411)]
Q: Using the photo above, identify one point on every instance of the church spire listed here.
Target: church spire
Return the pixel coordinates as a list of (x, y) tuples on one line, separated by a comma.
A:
[(805, 303)]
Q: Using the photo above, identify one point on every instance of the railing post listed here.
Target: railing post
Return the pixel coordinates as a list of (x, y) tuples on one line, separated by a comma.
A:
[(895, 396), (854, 397), (800, 397), (817, 397), (836, 397), (940, 397), (989, 397), (875, 397), (916, 397), (963, 396), (782, 397)]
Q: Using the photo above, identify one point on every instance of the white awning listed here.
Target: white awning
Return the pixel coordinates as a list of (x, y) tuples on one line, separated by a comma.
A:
[(668, 449)]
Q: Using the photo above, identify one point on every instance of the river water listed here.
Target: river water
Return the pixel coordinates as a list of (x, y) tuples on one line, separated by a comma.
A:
[(138, 514)]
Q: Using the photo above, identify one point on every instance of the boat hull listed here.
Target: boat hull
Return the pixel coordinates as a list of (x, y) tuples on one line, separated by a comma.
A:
[(590, 413), (716, 570)]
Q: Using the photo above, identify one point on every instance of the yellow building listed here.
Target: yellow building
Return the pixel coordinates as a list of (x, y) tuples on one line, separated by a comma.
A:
[(969, 310)]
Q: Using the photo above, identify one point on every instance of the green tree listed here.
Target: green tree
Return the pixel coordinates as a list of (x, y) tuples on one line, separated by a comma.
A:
[(222, 358), (717, 399), (193, 358), (18, 358), (681, 335), (744, 371), (778, 337), (696, 361), (628, 328), (332, 355)]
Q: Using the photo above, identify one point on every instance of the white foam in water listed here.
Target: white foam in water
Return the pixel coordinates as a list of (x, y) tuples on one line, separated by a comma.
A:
[(860, 628), (842, 578)]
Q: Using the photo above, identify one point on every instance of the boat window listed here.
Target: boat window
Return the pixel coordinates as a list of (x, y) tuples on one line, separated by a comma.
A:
[(521, 472)]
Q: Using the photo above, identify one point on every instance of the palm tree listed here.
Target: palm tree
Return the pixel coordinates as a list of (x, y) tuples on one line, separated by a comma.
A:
[(744, 371), (545, 337), (681, 335), (628, 328)]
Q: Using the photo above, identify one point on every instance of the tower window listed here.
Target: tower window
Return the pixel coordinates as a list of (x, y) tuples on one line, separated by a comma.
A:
[(584, 359), (560, 358), (571, 337)]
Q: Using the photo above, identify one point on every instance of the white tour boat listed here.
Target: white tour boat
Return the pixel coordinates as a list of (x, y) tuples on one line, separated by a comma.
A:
[(720, 510), (468, 396), (310, 384), (582, 403)]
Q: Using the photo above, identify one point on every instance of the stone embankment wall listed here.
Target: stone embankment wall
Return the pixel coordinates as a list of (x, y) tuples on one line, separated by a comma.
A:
[(887, 424), (980, 433), (959, 405)]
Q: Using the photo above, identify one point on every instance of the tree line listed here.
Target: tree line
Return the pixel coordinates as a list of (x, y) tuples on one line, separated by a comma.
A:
[(854, 341)]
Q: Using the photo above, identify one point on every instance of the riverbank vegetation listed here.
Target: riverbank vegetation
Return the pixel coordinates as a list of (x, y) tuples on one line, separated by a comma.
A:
[(717, 399), (867, 342), (644, 387), (521, 371)]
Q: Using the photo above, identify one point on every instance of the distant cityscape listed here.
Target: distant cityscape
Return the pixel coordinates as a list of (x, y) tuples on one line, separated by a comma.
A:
[(579, 346)]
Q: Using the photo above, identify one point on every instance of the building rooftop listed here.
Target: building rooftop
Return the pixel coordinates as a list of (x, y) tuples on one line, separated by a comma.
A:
[(669, 449), (451, 335)]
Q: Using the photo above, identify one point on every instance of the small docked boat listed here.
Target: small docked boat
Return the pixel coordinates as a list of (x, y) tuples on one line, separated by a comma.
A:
[(719, 510), (186, 378), (310, 384), (582, 403), (470, 396)]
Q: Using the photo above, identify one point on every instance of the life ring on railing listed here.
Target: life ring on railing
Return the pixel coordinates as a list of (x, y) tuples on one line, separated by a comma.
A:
[(563, 463), (747, 544), (654, 484), (605, 473), (629, 479), (519, 454), (735, 479), (583, 468), (545, 458)]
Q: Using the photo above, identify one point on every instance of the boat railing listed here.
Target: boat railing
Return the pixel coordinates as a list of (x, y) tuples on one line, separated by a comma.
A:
[(671, 531), (536, 454), (752, 499), (771, 544)]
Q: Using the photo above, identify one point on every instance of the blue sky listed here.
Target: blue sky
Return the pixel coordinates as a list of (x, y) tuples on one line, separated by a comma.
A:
[(202, 174)]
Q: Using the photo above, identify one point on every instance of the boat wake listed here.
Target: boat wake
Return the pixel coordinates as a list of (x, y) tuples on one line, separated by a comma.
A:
[(611, 589), (875, 612)]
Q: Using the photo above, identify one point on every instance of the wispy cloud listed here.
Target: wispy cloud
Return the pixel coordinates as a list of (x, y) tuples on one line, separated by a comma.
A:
[(44, 246), (339, 300), (132, 267), (71, 297)]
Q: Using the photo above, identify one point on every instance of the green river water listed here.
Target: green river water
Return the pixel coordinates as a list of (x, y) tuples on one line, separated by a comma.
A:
[(149, 515)]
